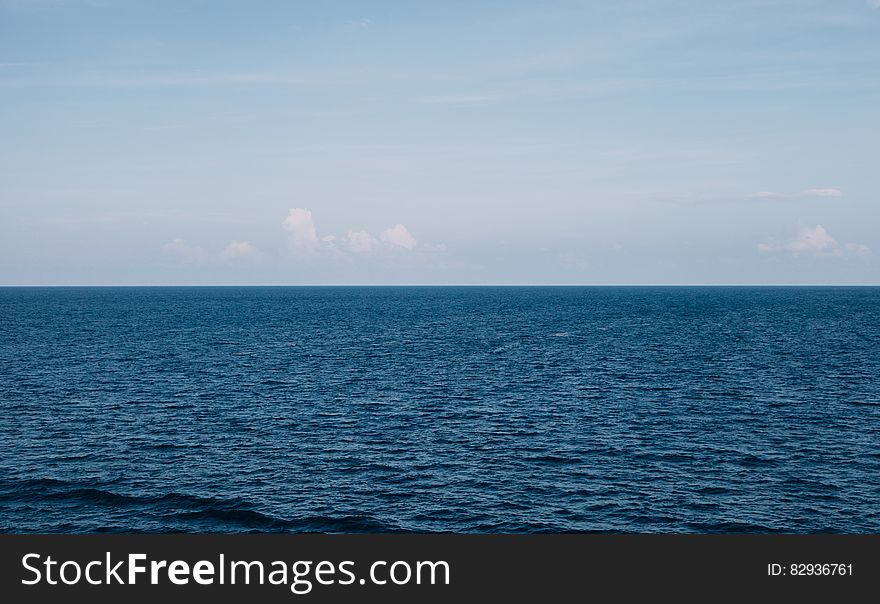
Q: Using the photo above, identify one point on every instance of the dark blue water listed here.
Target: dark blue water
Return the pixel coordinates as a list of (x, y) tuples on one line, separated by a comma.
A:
[(440, 409)]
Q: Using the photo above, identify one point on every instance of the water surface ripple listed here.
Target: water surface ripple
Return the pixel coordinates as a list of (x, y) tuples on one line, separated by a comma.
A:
[(440, 409)]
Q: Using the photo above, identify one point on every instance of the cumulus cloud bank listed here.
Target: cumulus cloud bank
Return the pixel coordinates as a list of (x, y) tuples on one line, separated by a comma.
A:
[(238, 249), (360, 242), (398, 236), (303, 236), (301, 226), (815, 241), (306, 242)]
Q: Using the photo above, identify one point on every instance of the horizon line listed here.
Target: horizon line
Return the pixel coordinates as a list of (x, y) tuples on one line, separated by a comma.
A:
[(169, 285)]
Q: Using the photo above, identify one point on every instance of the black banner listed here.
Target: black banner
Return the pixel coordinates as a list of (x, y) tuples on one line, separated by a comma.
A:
[(435, 568)]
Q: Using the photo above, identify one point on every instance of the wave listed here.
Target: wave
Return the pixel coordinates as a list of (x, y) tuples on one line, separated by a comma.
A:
[(865, 403), (733, 527), (37, 489), (182, 512)]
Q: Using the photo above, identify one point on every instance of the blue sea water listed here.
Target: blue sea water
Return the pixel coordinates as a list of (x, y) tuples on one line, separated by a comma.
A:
[(479, 409)]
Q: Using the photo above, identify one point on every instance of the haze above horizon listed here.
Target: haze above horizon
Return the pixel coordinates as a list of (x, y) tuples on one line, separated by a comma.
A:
[(488, 142)]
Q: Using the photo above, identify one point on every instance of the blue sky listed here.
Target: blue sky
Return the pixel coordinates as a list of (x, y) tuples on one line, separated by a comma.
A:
[(635, 141)]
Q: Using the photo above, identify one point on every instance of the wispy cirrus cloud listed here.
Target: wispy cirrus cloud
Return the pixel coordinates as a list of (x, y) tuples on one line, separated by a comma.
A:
[(460, 99), (152, 80), (799, 194), (362, 23), (804, 194)]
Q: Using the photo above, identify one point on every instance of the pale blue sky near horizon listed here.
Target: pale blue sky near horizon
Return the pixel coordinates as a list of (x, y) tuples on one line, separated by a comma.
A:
[(482, 142)]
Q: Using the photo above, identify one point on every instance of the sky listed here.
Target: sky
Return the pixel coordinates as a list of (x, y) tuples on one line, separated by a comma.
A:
[(149, 142)]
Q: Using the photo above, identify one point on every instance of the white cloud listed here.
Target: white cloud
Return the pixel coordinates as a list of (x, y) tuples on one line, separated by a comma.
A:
[(398, 236), (392, 244), (821, 192), (238, 249), (361, 242), (179, 247), (816, 241), (193, 253), (299, 224), (874, 3), (176, 246), (804, 193), (859, 249), (173, 80), (574, 260), (459, 99), (363, 22)]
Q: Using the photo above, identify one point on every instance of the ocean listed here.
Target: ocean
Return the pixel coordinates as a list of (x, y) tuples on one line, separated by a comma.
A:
[(440, 409)]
